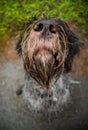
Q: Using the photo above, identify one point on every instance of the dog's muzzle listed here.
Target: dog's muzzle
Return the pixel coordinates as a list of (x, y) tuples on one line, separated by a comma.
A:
[(44, 52)]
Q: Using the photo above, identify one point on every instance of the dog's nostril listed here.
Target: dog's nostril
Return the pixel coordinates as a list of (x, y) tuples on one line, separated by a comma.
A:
[(38, 27), (52, 29)]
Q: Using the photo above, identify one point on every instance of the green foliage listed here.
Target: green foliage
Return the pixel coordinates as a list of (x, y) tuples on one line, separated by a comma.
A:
[(15, 13)]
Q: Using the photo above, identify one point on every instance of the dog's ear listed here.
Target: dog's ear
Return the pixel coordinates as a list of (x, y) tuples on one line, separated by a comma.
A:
[(73, 46)]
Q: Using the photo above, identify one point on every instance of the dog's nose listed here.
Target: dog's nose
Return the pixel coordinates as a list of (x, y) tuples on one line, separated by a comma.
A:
[(45, 27)]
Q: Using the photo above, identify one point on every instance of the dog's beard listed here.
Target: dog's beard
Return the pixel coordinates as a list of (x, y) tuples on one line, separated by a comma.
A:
[(43, 58), (43, 66), (44, 63)]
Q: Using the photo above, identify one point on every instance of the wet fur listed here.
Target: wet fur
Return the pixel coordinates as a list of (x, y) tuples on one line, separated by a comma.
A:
[(73, 45)]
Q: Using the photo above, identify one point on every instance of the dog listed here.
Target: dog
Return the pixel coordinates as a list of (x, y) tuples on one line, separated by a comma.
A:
[(48, 48), (47, 98)]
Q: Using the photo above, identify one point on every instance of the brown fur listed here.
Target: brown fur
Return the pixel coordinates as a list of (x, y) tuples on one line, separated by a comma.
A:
[(52, 66), (46, 57)]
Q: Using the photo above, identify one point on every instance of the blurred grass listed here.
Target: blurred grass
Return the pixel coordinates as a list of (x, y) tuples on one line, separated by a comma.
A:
[(15, 14)]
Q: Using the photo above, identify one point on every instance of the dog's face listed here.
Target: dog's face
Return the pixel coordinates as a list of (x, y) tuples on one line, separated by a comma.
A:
[(48, 48)]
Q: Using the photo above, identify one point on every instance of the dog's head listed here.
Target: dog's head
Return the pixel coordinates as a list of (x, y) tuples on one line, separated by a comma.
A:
[(48, 47)]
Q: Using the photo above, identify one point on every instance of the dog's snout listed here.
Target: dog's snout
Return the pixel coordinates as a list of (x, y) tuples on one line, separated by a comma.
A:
[(45, 27)]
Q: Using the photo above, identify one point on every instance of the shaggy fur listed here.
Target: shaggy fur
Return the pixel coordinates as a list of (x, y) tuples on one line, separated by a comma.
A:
[(48, 48), (72, 40), (53, 37)]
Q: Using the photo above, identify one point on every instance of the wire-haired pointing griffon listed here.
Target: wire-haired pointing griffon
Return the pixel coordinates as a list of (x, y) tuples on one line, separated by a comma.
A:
[(48, 47)]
